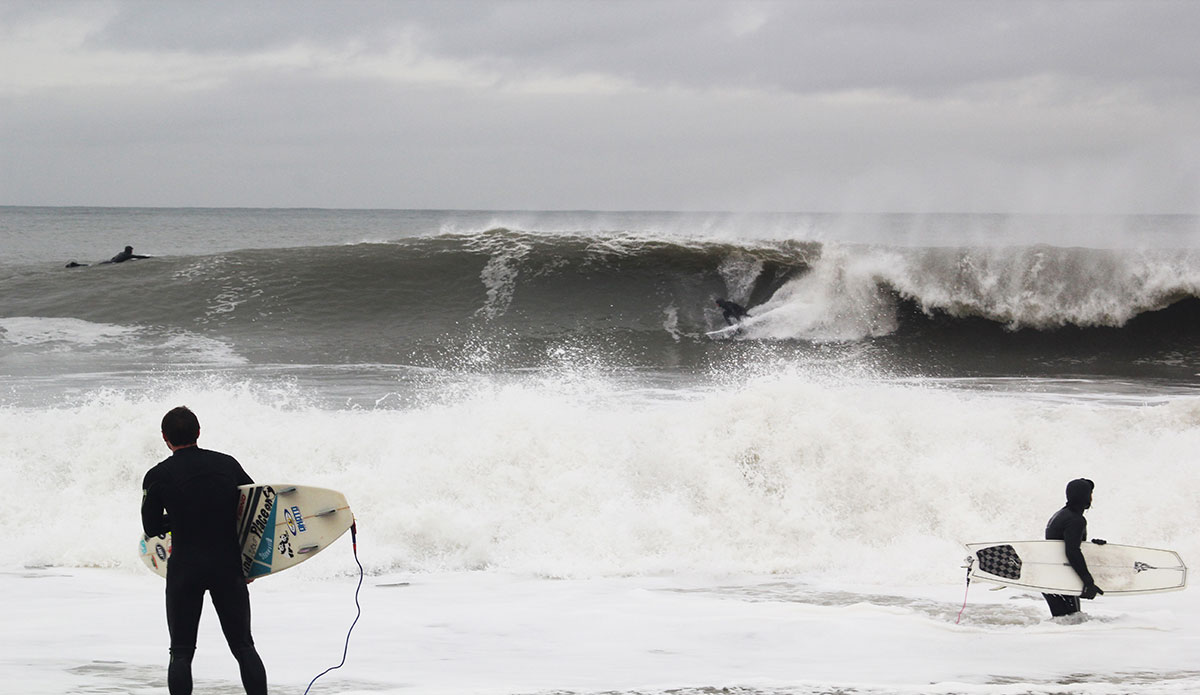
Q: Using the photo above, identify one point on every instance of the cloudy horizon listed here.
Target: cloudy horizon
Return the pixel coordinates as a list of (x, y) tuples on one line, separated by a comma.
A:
[(1043, 107)]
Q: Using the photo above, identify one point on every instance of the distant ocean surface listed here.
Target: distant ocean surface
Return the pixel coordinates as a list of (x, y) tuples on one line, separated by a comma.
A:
[(533, 395)]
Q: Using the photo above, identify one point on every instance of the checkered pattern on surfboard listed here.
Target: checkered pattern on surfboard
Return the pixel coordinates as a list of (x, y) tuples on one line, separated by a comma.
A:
[(1000, 560)]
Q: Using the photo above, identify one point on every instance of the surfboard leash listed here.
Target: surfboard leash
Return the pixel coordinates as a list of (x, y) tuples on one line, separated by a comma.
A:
[(346, 648), (969, 565)]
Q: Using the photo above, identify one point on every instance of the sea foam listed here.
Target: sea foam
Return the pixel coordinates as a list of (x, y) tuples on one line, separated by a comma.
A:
[(790, 472)]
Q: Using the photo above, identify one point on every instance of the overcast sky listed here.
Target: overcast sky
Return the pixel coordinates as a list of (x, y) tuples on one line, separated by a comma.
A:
[(639, 105)]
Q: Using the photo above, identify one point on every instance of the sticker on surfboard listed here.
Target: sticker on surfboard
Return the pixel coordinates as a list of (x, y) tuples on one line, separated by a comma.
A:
[(279, 526)]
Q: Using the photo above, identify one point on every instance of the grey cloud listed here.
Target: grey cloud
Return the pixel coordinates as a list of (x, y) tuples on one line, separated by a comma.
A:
[(923, 48), (1015, 106)]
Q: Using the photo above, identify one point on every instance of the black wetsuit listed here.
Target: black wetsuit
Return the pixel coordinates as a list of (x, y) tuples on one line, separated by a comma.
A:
[(197, 488), (121, 258), (1070, 526), (732, 312)]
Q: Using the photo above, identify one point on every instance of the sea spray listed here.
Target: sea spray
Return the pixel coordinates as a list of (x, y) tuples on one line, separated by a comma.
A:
[(795, 472)]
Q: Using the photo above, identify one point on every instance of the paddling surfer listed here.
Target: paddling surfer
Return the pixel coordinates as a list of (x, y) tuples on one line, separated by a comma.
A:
[(1069, 525), (193, 494), (126, 255)]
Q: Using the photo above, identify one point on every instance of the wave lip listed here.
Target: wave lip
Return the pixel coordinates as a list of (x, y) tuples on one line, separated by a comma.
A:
[(858, 292)]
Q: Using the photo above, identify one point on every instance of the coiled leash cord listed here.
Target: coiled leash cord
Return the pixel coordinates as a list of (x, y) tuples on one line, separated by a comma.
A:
[(346, 649)]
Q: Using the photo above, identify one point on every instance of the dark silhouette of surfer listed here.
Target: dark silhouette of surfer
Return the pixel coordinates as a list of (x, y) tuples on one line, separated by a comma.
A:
[(193, 494), (733, 313), (126, 255)]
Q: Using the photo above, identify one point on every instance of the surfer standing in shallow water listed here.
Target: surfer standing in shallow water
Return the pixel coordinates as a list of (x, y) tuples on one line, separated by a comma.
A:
[(1069, 525), (197, 490)]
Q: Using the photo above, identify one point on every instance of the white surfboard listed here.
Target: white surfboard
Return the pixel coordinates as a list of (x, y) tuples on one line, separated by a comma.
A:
[(726, 332), (1042, 566), (740, 327), (736, 329), (279, 526)]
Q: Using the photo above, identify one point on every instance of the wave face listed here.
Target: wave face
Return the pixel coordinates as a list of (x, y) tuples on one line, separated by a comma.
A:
[(506, 299)]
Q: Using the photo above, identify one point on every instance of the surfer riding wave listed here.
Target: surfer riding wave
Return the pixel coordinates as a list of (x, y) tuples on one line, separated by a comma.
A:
[(732, 312)]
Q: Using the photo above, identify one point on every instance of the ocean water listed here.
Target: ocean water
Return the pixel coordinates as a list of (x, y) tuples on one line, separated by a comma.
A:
[(563, 484)]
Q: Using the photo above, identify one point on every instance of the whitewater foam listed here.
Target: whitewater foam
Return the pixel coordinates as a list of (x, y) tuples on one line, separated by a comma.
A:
[(63, 333), (794, 473), (852, 292), (101, 348)]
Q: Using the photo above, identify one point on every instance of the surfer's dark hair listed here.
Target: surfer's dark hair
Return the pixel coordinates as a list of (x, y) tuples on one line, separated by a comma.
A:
[(181, 426)]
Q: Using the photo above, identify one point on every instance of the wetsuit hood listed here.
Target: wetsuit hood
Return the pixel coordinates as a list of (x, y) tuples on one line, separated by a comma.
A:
[(1079, 494)]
